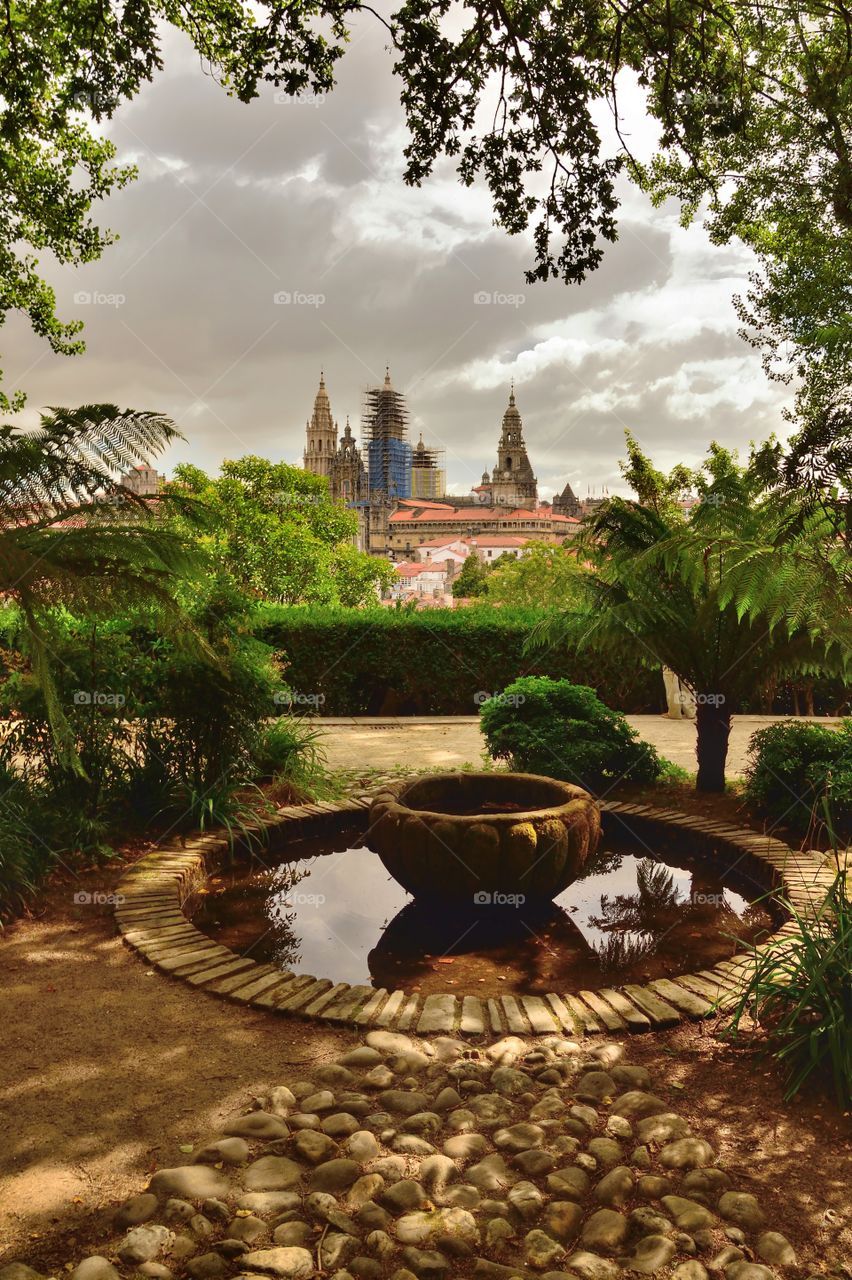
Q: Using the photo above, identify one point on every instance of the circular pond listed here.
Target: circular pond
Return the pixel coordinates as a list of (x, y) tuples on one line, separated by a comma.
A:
[(635, 913)]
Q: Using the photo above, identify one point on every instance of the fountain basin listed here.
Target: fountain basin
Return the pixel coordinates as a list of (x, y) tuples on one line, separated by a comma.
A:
[(462, 835)]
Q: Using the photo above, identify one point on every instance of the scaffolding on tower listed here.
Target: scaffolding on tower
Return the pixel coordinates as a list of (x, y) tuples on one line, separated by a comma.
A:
[(428, 471), (384, 431)]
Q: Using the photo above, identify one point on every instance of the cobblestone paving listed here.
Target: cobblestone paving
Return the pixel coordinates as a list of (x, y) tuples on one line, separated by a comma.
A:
[(420, 1160)]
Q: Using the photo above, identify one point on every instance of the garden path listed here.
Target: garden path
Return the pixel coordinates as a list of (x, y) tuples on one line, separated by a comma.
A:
[(383, 742)]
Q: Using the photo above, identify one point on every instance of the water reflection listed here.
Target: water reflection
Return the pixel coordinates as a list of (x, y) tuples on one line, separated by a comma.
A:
[(524, 938), (335, 911)]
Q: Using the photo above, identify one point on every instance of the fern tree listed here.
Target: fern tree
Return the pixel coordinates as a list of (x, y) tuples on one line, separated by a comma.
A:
[(753, 584), (72, 534)]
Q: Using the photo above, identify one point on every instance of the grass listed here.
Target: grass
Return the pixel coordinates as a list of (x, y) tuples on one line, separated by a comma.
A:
[(800, 995)]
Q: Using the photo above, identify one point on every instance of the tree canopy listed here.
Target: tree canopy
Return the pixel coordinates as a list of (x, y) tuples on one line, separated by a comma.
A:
[(543, 577), (752, 102), (471, 579), (277, 534)]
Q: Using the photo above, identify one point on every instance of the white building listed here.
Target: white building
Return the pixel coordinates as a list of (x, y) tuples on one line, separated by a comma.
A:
[(491, 546), (142, 480), (419, 581), (443, 551)]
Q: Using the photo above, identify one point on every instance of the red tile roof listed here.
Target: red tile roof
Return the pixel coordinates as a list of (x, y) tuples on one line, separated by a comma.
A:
[(440, 542), (425, 512), (407, 570), (496, 540)]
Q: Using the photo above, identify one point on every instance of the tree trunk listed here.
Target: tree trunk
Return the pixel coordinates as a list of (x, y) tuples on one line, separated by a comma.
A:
[(714, 728), (767, 695)]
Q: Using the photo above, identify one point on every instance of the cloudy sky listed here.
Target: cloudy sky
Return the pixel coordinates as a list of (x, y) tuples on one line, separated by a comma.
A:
[(239, 208)]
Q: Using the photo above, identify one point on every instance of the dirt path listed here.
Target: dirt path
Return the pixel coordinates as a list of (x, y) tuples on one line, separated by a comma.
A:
[(102, 1058), (452, 741)]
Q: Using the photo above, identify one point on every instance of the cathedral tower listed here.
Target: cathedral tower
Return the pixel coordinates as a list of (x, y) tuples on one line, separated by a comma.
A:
[(384, 430), (347, 475), (512, 481), (321, 434)]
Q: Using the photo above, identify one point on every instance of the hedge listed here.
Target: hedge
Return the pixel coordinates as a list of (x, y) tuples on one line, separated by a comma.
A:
[(433, 662)]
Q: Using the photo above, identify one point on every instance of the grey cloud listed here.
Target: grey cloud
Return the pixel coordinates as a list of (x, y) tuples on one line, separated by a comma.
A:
[(199, 334)]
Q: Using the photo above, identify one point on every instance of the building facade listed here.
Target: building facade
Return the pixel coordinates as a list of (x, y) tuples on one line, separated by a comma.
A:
[(398, 491), (142, 480), (566, 503), (416, 521), (428, 476)]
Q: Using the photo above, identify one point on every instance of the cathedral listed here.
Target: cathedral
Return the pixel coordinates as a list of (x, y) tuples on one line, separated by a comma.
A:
[(512, 483), (326, 455), (397, 488)]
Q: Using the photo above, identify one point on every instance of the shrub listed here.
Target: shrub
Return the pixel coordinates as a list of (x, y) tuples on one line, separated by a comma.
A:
[(98, 679), (432, 662), (792, 766), (27, 854), (164, 730), (563, 730), (800, 993), (289, 753)]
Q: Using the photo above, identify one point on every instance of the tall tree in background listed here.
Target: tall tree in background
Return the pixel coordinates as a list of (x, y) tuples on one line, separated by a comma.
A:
[(752, 102), (753, 584), (472, 578), (544, 577)]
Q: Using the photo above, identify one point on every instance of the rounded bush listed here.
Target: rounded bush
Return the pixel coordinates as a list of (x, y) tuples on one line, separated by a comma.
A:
[(563, 730), (794, 766)]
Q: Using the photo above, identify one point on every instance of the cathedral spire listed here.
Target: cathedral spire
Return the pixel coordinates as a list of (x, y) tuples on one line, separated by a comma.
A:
[(320, 433)]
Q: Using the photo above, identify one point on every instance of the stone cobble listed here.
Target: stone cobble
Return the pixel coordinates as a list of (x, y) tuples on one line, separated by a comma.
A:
[(406, 1160)]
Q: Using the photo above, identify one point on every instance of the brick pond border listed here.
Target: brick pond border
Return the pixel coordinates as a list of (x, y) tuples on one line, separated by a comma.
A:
[(153, 894)]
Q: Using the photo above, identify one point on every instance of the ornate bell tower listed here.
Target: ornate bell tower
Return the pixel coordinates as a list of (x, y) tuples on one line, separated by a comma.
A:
[(347, 476), (320, 434), (512, 480)]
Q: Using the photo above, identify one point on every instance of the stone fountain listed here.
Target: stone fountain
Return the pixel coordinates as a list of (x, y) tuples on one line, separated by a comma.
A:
[(458, 835)]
